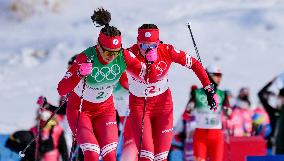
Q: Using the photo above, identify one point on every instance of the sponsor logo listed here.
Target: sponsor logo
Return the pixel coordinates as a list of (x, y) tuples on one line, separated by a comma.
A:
[(108, 73), (110, 123), (148, 34), (67, 75), (115, 41), (161, 67), (167, 130)]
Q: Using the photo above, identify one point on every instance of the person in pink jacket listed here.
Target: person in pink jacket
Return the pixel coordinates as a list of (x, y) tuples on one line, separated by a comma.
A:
[(51, 143), (240, 121)]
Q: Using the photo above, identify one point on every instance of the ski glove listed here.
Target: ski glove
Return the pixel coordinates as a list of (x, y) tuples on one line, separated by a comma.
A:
[(85, 68), (211, 97), (151, 56), (41, 101)]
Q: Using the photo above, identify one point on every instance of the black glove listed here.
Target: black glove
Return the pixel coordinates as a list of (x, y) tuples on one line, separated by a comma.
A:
[(210, 92)]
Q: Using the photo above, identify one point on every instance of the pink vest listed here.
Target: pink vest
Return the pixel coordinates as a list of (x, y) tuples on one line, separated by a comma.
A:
[(52, 155)]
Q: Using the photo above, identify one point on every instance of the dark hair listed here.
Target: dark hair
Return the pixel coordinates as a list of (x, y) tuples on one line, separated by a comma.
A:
[(148, 26), (281, 92), (102, 17)]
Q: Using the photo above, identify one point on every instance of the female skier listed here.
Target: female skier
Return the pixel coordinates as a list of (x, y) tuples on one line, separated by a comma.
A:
[(92, 83), (158, 117)]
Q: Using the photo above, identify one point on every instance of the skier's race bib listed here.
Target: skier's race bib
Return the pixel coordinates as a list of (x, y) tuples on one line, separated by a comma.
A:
[(141, 89), (94, 94), (208, 120)]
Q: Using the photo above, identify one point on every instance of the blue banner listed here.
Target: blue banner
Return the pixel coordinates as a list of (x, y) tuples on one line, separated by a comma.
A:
[(266, 158), (6, 154)]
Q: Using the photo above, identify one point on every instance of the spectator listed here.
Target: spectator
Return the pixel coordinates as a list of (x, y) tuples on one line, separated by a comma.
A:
[(240, 121), (280, 134), (50, 144), (269, 102)]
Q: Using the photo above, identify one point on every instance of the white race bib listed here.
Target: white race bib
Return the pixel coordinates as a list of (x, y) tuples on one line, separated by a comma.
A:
[(141, 89), (206, 120), (94, 94)]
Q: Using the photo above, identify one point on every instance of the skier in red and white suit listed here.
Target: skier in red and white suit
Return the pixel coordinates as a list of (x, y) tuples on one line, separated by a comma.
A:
[(93, 82), (158, 124)]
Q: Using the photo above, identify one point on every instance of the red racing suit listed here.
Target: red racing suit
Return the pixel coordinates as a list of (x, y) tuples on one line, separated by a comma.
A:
[(158, 124), (97, 129)]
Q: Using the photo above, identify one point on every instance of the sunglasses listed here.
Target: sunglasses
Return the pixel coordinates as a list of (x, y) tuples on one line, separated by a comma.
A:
[(108, 52), (148, 46), (111, 53), (217, 74)]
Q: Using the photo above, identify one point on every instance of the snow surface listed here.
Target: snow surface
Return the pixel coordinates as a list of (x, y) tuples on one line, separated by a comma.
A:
[(245, 38)]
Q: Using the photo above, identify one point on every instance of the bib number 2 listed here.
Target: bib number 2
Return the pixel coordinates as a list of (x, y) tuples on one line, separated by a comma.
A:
[(152, 89), (100, 95)]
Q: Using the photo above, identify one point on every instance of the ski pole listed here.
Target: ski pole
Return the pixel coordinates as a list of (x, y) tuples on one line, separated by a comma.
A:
[(22, 153), (194, 44), (38, 133), (77, 120), (144, 110)]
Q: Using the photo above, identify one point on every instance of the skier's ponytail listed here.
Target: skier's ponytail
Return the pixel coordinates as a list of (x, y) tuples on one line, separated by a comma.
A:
[(102, 17)]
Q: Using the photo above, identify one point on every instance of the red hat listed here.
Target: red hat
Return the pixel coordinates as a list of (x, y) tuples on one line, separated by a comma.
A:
[(148, 35), (110, 43)]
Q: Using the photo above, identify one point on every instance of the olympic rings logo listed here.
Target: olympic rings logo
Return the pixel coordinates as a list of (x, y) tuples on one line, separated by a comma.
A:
[(108, 73), (160, 67)]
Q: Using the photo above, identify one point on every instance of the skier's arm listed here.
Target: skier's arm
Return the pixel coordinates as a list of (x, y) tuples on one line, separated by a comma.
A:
[(72, 76), (62, 147), (61, 111), (123, 81), (190, 62), (263, 97), (133, 65), (42, 101)]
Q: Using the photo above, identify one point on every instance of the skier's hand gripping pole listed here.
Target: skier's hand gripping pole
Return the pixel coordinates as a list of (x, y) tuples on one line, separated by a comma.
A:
[(211, 97), (85, 69)]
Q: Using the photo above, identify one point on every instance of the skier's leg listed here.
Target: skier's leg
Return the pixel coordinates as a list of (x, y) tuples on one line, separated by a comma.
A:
[(199, 144), (147, 150), (215, 144), (105, 129), (162, 134), (129, 152), (85, 136)]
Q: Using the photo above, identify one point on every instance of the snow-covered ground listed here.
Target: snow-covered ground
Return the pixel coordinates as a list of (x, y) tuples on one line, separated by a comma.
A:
[(243, 37)]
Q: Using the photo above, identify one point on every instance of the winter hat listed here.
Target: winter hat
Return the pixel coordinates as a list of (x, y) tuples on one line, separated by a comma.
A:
[(148, 35), (211, 69)]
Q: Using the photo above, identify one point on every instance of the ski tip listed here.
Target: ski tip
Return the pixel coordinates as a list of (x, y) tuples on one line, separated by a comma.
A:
[(21, 154)]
